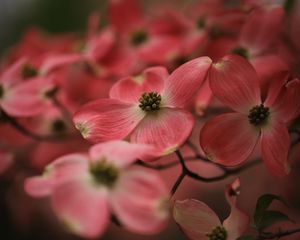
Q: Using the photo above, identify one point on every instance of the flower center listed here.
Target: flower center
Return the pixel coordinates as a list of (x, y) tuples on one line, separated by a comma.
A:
[(139, 37), (258, 114), (150, 102), (241, 51), (29, 71), (200, 23), (104, 173), (218, 233), (58, 126)]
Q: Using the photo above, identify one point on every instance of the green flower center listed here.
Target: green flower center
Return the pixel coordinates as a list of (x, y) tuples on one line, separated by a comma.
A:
[(258, 115), (241, 51), (218, 233), (58, 126), (29, 71), (150, 102), (200, 23), (138, 37), (104, 173)]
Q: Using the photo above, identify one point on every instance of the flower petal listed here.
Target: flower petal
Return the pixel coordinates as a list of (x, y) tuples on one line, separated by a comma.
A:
[(195, 218), (234, 81), (185, 81), (261, 28), (13, 74), (130, 89), (120, 153), (203, 98), (166, 129), (124, 15), (287, 105), (53, 62), (28, 98), (61, 170), (228, 139), (275, 142), (107, 119), (140, 201), (82, 208), (238, 221)]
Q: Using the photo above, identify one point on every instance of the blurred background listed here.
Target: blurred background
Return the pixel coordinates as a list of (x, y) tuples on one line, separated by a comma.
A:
[(33, 219)]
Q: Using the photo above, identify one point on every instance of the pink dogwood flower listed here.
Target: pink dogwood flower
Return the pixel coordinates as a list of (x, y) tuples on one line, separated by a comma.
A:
[(146, 109), (23, 98), (85, 188), (199, 222), (230, 138)]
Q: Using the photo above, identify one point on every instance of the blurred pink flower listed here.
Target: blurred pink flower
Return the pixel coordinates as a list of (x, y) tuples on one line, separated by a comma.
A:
[(230, 138), (147, 109), (84, 188), (20, 98), (199, 222)]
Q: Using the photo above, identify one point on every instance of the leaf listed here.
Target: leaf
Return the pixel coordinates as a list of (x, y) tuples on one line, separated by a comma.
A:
[(270, 217), (263, 203), (247, 238)]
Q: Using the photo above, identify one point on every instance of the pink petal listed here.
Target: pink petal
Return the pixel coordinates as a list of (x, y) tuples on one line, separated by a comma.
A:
[(203, 98), (107, 119), (269, 68), (228, 139), (124, 15), (287, 105), (61, 170), (140, 201), (130, 89), (234, 81), (82, 208), (53, 62), (13, 74), (120, 153), (160, 49), (195, 218), (100, 45), (275, 142), (166, 130), (185, 81), (261, 28), (27, 98), (238, 221), (38, 187)]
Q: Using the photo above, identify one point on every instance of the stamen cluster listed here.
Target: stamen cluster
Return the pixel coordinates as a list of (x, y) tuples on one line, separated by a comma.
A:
[(104, 173), (218, 233), (258, 114), (150, 101)]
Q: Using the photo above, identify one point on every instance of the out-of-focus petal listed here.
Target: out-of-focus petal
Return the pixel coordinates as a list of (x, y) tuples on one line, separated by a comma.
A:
[(107, 119), (13, 74), (203, 98), (238, 221), (140, 201), (275, 142), (261, 28), (195, 218), (125, 15), (130, 89), (120, 153), (228, 139), (287, 106), (234, 81), (82, 208), (166, 129), (6, 160), (185, 81), (28, 98)]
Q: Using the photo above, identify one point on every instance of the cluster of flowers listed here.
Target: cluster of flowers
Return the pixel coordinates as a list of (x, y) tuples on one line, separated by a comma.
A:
[(114, 87)]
